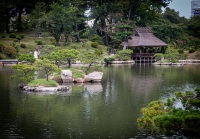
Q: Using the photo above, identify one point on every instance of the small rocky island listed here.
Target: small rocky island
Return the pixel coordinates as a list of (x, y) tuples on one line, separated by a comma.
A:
[(66, 77)]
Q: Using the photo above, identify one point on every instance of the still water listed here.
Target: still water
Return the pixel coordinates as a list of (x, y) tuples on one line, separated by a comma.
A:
[(106, 110)]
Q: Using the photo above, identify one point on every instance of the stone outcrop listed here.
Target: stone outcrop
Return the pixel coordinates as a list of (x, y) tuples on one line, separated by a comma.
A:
[(78, 80), (93, 77), (45, 89), (66, 76)]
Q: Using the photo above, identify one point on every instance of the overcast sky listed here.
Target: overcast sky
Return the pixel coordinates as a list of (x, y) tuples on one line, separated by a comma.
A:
[(182, 6)]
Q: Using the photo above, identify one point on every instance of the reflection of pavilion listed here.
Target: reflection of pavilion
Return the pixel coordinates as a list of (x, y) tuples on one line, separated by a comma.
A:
[(144, 44)]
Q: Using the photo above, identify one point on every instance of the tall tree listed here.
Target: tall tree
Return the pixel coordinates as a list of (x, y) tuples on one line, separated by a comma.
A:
[(5, 14), (173, 16), (77, 17), (59, 20), (194, 26), (139, 11)]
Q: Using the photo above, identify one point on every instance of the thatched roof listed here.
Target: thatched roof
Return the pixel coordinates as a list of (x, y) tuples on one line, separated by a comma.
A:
[(144, 36)]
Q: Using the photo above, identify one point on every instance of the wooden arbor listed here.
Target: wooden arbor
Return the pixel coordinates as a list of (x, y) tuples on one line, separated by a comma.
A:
[(144, 44)]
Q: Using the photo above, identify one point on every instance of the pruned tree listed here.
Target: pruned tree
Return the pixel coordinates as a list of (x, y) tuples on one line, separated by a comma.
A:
[(56, 56), (47, 66), (70, 55), (90, 58), (25, 72), (28, 58)]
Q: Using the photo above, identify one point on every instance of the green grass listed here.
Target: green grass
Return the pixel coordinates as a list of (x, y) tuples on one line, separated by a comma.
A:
[(77, 73), (30, 40), (43, 82)]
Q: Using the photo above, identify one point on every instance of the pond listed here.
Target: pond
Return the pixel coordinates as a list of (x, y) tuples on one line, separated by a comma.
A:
[(105, 110)]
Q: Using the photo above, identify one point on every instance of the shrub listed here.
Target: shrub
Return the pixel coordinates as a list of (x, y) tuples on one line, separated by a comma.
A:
[(74, 46), (98, 52), (197, 90), (124, 55), (10, 51), (1, 47), (15, 46), (107, 59), (94, 44), (192, 50), (3, 36), (2, 56), (159, 56), (21, 35), (180, 51), (39, 42), (18, 38), (23, 45), (12, 35), (97, 39)]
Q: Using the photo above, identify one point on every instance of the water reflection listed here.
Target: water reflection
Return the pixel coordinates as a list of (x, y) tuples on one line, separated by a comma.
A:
[(105, 110), (90, 89), (93, 88)]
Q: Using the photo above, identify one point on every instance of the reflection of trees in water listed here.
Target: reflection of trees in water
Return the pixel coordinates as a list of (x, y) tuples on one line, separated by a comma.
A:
[(111, 107)]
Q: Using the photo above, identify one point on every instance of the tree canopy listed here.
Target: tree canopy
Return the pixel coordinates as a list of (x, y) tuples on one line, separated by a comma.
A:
[(179, 115), (113, 20)]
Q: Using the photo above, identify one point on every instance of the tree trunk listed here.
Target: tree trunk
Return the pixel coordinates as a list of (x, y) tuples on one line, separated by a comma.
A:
[(77, 33), (19, 21), (104, 31), (69, 63), (129, 12), (47, 76), (57, 40), (87, 68), (7, 23)]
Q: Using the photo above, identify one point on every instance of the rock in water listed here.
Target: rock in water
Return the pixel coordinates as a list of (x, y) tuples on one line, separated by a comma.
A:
[(45, 89), (66, 76), (93, 77)]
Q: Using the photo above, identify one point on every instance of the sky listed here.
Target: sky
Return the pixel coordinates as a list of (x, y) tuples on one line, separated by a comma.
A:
[(182, 6)]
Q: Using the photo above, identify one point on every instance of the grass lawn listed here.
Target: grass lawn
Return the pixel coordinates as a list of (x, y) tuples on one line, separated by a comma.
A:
[(43, 82), (77, 73), (30, 44)]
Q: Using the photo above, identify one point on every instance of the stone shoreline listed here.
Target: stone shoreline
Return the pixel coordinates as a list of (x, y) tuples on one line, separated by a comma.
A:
[(122, 62), (44, 89), (181, 62)]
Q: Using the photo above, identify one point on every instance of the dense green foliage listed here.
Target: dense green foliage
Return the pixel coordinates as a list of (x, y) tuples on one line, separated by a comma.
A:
[(124, 55), (70, 55), (113, 22), (179, 115), (25, 72), (28, 58), (47, 66), (90, 58), (171, 55)]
